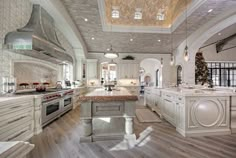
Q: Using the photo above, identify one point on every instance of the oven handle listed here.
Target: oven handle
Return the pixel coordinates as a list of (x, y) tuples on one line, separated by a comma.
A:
[(51, 102)]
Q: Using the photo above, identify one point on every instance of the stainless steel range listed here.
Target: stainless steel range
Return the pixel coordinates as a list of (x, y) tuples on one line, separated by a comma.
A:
[(56, 104)]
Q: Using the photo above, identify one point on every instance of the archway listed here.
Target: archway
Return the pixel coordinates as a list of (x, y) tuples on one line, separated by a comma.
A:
[(151, 66), (198, 38)]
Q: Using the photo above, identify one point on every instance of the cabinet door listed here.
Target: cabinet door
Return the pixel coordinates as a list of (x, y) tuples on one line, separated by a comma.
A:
[(180, 115), (169, 111), (91, 70), (136, 71)]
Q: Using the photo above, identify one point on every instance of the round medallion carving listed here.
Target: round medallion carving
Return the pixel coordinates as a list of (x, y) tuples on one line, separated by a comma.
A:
[(207, 113)]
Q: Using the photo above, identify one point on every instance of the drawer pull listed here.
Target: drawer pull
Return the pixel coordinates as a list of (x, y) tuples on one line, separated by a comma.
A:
[(16, 119), (168, 101), (18, 134), (168, 95), (15, 107)]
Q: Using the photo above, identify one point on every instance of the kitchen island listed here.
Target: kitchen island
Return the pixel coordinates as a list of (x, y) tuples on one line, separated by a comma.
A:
[(107, 115), (197, 112)]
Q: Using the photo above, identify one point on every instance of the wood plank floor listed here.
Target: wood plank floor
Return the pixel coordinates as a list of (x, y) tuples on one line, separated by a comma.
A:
[(155, 140)]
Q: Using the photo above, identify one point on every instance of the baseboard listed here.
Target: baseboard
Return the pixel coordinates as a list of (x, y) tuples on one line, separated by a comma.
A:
[(208, 133)]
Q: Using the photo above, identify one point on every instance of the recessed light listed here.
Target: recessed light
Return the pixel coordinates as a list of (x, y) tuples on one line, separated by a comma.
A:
[(93, 38), (85, 19), (108, 49), (219, 33), (159, 40), (210, 10), (131, 39)]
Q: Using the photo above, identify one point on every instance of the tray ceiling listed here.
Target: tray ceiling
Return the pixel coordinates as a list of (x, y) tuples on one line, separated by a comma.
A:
[(98, 40), (170, 9)]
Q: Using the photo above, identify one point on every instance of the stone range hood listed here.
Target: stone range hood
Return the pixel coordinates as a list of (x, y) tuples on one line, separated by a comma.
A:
[(38, 39)]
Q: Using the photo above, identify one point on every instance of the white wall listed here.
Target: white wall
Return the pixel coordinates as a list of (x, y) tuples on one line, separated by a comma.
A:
[(210, 54)]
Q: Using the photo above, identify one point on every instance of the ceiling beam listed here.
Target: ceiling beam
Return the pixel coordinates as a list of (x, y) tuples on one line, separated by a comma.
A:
[(220, 44)]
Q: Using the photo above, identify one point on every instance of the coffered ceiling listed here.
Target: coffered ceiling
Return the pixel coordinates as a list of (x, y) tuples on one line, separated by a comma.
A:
[(97, 40), (148, 9)]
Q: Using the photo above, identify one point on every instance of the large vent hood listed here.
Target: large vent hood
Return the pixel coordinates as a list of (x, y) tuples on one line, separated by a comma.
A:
[(38, 38)]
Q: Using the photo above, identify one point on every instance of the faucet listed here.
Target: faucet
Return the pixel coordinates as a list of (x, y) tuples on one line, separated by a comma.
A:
[(58, 85)]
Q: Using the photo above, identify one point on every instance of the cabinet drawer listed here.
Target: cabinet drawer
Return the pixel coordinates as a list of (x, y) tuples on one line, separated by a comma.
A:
[(13, 122), (14, 107), (17, 132), (108, 109), (168, 96)]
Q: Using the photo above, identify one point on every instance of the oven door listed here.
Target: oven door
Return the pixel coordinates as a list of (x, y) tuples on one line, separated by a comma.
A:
[(50, 110), (68, 103)]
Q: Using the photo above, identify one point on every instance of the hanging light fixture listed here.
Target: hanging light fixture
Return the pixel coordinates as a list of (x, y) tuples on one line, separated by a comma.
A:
[(186, 54), (111, 54), (112, 63), (171, 38), (172, 60), (162, 63)]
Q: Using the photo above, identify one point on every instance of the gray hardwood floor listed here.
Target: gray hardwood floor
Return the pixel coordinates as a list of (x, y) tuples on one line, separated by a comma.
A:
[(155, 140)]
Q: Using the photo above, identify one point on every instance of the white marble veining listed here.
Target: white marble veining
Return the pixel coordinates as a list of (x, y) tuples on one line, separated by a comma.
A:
[(201, 92), (101, 92)]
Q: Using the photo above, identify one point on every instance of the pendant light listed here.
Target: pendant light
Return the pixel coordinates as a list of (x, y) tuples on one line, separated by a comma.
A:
[(112, 63), (186, 54), (162, 63), (171, 38), (172, 60), (111, 54)]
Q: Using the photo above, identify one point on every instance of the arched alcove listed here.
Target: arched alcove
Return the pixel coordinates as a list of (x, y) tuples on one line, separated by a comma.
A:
[(151, 66)]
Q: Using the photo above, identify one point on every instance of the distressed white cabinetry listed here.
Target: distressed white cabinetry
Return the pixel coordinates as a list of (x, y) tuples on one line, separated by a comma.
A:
[(197, 115), (92, 69), (17, 119), (78, 92), (233, 114), (128, 71), (152, 99)]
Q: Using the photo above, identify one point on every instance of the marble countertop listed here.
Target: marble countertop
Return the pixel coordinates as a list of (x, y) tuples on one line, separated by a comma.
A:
[(13, 97), (200, 92), (121, 94)]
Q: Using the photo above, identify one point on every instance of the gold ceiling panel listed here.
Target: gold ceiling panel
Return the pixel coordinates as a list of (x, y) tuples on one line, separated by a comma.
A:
[(149, 9)]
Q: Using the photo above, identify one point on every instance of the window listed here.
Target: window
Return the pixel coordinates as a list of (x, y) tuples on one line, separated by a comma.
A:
[(222, 74), (157, 78), (108, 72), (67, 72), (179, 74)]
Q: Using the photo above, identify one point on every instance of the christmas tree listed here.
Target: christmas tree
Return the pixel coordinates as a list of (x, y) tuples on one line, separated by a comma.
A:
[(201, 70)]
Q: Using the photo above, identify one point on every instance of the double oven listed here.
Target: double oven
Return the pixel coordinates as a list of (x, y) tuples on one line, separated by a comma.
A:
[(56, 104)]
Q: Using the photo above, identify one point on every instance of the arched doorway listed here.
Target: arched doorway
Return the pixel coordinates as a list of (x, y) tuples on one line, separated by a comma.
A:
[(152, 68)]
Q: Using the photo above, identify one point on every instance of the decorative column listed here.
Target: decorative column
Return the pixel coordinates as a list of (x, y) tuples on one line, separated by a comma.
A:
[(129, 125), (87, 127)]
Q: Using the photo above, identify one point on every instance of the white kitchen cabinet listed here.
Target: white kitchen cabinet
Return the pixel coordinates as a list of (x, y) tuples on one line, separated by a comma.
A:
[(128, 71), (233, 114), (169, 111), (17, 119), (152, 99), (180, 116), (91, 69)]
